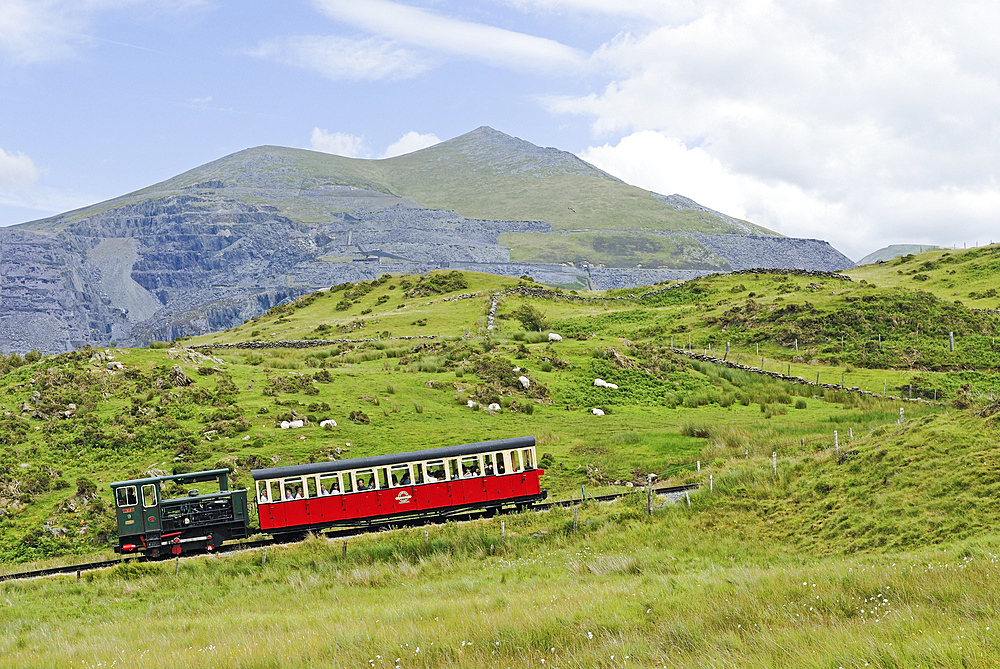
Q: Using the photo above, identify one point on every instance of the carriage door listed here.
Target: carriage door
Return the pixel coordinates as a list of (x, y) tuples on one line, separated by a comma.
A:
[(150, 514)]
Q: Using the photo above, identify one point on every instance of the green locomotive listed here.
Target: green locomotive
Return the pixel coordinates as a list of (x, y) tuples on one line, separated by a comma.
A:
[(153, 523)]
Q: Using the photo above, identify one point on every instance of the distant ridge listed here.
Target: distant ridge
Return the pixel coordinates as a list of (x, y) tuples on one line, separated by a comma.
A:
[(894, 251), (224, 241)]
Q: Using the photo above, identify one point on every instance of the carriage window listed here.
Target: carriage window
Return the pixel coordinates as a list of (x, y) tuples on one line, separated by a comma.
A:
[(400, 475), (262, 497), (348, 479), (311, 487), (470, 466), (418, 473), (149, 496), (454, 470), (126, 496), (515, 462), (501, 469), (488, 464), (383, 478), (329, 484), (275, 487), (293, 488), (365, 479), (435, 471), (527, 459)]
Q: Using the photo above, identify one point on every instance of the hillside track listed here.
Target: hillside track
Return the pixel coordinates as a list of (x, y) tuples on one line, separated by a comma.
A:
[(331, 534)]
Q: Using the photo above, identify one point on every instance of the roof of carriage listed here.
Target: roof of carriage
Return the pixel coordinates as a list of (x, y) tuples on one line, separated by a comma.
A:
[(394, 458)]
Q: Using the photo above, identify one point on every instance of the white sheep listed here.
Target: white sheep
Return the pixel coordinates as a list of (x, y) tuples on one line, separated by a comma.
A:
[(613, 386), (472, 404), (297, 423), (554, 337), (285, 425), (600, 383), (597, 412), (329, 422), (524, 381), (493, 407)]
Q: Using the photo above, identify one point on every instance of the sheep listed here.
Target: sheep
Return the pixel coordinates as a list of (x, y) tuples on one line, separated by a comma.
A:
[(285, 425), (613, 386), (296, 423), (472, 404), (554, 337), (600, 383), (493, 407), (329, 422), (524, 381), (597, 412)]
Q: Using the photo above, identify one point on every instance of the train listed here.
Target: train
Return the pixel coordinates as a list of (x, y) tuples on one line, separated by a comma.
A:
[(162, 516)]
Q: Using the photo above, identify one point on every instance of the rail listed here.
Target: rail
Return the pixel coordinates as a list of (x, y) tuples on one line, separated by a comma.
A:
[(350, 532)]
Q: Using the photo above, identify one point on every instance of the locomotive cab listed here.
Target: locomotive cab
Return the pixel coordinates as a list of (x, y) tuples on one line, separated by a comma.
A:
[(155, 519)]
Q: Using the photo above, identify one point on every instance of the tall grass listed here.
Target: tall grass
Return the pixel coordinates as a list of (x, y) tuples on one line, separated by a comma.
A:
[(623, 590)]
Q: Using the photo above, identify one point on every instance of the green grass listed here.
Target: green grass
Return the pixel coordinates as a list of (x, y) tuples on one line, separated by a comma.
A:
[(971, 276), (764, 570), (622, 590)]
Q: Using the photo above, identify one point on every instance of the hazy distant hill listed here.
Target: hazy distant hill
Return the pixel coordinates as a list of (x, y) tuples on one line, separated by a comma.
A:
[(220, 243), (894, 251)]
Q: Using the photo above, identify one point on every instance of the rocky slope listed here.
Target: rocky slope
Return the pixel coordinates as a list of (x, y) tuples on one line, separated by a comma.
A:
[(225, 241)]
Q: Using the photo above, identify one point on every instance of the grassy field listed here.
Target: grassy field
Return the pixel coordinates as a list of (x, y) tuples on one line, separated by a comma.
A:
[(877, 551)]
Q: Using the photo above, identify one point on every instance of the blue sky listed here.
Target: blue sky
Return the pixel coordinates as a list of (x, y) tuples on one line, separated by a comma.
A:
[(863, 123)]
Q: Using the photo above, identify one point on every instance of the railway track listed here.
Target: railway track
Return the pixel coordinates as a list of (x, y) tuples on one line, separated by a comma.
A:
[(332, 534)]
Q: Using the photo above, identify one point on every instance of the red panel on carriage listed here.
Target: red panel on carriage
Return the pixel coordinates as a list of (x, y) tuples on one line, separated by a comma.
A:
[(368, 505)]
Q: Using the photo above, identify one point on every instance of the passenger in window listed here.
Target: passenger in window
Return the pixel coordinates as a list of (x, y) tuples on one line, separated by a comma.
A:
[(406, 479), (361, 485), (289, 493), (488, 468), (263, 497)]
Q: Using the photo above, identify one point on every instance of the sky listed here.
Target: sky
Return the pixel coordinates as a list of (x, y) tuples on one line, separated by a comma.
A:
[(864, 123)]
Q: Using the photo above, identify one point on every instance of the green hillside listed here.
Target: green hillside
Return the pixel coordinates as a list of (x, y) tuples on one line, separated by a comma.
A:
[(970, 277), (764, 568)]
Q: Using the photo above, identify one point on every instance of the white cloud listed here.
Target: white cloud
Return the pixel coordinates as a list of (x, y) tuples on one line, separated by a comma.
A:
[(338, 143), (422, 28), (410, 142), (345, 58), (17, 172), (664, 165), (651, 9), (20, 191), (865, 125)]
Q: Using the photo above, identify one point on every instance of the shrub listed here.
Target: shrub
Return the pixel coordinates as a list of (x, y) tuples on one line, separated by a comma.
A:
[(360, 417), (800, 404), (531, 318)]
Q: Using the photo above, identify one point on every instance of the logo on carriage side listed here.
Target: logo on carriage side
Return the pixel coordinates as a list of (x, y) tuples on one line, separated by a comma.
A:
[(403, 497)]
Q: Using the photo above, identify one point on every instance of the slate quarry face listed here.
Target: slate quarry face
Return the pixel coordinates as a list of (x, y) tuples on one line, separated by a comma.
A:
[(225, 242)]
